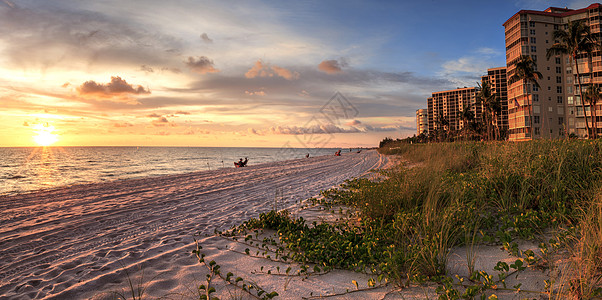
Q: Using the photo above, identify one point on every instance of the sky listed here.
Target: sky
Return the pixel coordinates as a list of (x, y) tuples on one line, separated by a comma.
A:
[(238, 73)]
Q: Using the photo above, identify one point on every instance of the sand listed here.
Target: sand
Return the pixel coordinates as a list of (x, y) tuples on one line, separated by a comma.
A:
[(103, 241), (92, 241)]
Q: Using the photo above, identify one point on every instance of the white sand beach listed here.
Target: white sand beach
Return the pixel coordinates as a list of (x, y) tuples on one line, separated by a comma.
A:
[(85, 241)]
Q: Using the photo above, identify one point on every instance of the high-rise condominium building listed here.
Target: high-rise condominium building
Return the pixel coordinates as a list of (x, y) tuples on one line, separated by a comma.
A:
[(497, 80), (553, 110), (422, 124), (444, 108)]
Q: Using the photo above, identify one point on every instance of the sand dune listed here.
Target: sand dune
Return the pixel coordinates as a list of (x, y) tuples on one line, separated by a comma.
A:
[(79, 242)]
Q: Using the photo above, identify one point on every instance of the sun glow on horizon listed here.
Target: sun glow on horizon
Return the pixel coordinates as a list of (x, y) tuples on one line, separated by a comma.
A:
[(44, 136)]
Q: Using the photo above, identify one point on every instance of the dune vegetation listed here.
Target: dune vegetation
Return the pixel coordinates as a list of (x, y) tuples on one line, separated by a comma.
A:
[(449, 195)]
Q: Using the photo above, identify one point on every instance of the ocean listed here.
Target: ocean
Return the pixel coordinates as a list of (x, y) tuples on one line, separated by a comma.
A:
[(28, 169)]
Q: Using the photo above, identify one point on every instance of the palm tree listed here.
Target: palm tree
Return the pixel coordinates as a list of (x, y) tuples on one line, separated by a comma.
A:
[(525, 69), (467, 117), (488, 100), (592, 95), (576, 39), (443, 124)]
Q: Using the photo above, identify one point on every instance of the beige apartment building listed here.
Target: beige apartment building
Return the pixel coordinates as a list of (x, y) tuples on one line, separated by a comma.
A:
[(422, 124), (448, 105), (496, 77), (553, 110)]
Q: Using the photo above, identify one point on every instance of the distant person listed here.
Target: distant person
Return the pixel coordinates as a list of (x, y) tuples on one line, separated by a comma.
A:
[(241, 163), (338, 153), (307, 155)]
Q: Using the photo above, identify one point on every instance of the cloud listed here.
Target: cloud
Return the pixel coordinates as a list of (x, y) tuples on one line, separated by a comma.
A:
[(44, 36), (381, 129), (330, 66), (467, 70), (265, 70), (25, 124), (122, 125), (117, 88), (353, 123), (173, 70), (488, 51), (180, 112), (206, 38), (153, 115), (163, 121), (313, 129), (284, 73), (9, 3), (256, 93), (201, 65), (146, 69)]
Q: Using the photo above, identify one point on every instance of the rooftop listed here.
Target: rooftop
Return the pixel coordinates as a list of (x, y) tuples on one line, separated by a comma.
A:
[(555, 12)]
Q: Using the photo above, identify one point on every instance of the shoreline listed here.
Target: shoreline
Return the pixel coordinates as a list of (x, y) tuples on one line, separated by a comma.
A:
[(79, 240), (103, 180)]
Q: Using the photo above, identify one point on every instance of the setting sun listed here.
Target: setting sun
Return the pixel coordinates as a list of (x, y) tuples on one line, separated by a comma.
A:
[(44, 136)]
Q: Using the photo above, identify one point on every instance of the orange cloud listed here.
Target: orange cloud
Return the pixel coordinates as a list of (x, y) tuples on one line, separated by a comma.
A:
[(265, 70), (330, 66), (116, 88), (284, 73)]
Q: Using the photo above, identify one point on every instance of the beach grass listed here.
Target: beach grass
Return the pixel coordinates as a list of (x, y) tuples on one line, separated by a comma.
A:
[(449, 195)]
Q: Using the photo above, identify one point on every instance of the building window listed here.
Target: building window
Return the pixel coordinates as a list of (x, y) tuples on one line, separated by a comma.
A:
[(532, 31), (533, 40), (535, 88), (535, 119), (549, 88), (531, 24), (557, 60), (555, 27), (569, 89), (569, 100), (558, 70), (560, 120), (533, 49), (534, 57), (536, 130), (535, 97), (559, 99), (558, 79), (559, 89)]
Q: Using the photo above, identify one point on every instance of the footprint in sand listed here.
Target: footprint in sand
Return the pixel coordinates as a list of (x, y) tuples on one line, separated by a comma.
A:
[(34, 283), (101, 253)]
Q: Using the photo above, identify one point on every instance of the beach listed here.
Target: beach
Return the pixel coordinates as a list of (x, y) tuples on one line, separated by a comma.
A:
[(93, 240)]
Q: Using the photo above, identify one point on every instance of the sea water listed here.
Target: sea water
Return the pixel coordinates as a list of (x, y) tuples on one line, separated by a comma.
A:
[(29, 169)]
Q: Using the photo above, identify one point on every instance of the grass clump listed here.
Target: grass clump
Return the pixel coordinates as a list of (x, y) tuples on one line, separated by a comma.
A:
[(459, 194)]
